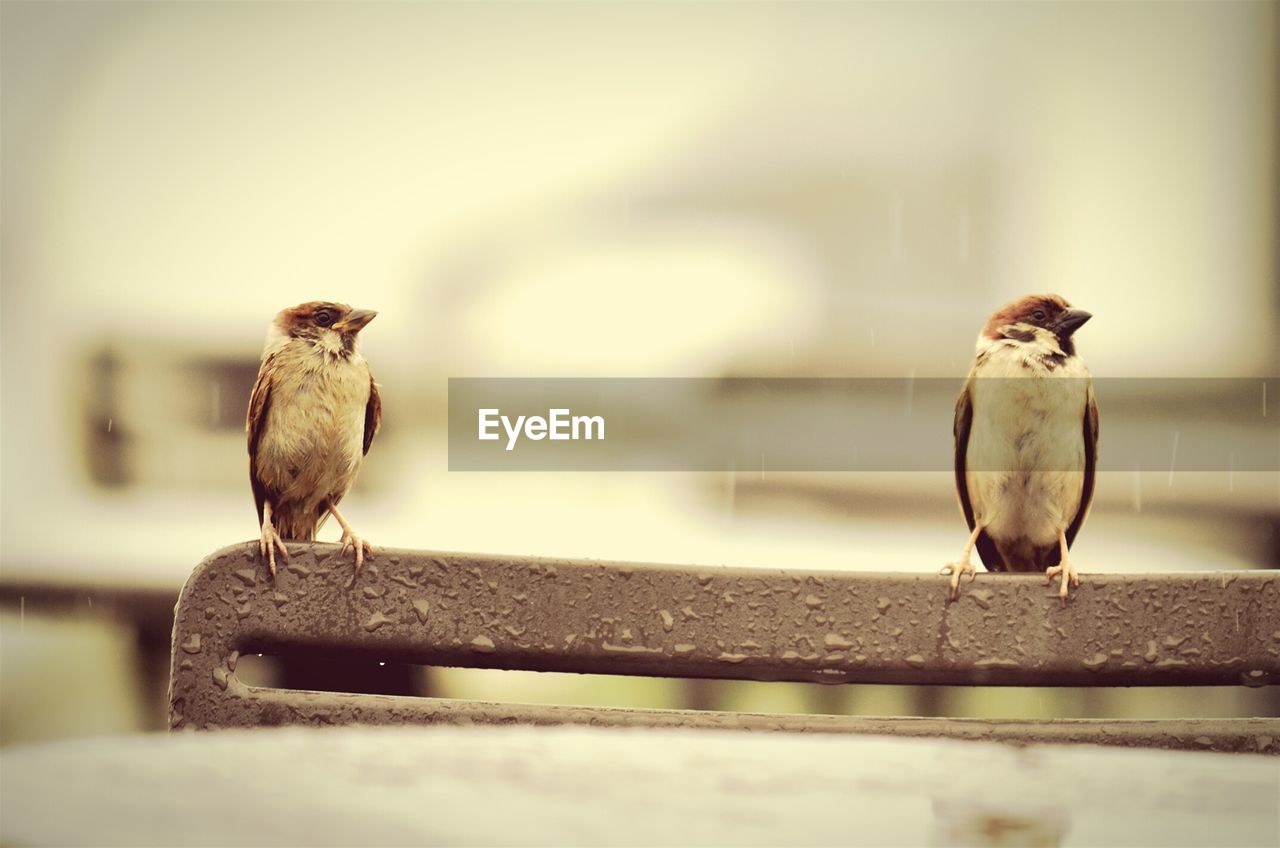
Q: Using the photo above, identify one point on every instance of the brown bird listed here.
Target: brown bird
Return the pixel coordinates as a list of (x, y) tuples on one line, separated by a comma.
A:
[(1026, 432), (313, 413)]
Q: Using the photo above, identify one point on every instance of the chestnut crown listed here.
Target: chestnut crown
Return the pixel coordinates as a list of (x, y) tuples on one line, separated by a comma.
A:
[(1047, 311), (314, 319)]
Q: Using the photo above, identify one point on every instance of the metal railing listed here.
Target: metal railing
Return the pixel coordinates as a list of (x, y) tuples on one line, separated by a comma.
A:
[(466, 610)]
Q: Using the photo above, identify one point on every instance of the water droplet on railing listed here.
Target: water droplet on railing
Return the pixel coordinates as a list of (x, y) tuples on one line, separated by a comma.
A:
[(220, 677), (422, 607), (376, 620), (1256, 677)]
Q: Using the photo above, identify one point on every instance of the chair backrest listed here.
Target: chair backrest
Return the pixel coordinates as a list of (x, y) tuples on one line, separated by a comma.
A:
[(467, 610)]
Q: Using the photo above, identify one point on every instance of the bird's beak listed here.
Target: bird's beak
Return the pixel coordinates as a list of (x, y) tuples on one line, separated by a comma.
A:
[(355, 322), (1070, 321)]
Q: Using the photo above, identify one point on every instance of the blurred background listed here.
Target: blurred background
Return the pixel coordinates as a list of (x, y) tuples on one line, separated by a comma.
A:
[(611, 190)]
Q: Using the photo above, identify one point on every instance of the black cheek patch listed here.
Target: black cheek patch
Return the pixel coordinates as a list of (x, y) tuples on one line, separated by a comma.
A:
[(1051, 361), (1019, 335)]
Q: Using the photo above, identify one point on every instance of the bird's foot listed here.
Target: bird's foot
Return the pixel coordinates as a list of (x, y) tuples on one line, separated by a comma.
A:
[(1070, 577), (267, 545), (350, 541), (956, 570)]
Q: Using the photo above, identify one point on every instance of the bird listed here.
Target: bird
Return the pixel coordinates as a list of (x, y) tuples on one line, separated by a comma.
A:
[(1026, 443), (313, 413)]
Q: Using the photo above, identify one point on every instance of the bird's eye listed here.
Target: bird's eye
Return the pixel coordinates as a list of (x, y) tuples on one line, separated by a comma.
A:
[(324, 318), (1037, 314)]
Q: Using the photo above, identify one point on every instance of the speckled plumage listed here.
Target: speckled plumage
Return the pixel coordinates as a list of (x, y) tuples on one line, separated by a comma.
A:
[(1026, 430), (312, 415)]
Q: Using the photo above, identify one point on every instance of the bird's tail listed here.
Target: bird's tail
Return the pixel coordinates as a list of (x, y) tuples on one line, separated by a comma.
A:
[(296, 525)]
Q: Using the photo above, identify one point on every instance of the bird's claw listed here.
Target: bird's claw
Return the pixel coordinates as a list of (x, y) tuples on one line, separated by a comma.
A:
[(268, 543), (350, 541), (956, 570), (1070, 577)]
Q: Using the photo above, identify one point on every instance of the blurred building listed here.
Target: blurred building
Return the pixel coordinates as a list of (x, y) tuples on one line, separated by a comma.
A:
[(610, 190)]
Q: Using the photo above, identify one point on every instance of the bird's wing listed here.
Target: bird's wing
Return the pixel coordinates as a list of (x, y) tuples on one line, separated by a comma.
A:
[(1090, 465), (987, 551), (255, 420), (964, 419), (372, 414)]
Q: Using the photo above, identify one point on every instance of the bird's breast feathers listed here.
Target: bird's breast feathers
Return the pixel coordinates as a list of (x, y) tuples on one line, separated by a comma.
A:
[(313, 436), (1025, 457)]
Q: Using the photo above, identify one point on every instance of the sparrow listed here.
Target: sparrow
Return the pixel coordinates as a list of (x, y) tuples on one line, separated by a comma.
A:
[(313, 413), (1026, 443)]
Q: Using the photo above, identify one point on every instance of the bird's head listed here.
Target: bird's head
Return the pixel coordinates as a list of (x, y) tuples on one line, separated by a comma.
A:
[(1045, 318), (331, 327)]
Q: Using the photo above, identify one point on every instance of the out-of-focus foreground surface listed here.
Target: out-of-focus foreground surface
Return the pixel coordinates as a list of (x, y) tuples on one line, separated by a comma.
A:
[(597, 786), (602, 190)]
